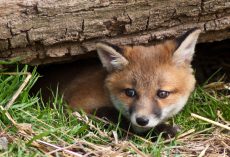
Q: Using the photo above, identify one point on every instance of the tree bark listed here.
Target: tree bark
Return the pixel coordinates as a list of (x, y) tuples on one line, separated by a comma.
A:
[(43, 31)]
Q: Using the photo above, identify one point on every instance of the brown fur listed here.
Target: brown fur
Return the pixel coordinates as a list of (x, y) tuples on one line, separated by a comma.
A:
[(146, 64), (87, 90), (149, 69), (146, 70)]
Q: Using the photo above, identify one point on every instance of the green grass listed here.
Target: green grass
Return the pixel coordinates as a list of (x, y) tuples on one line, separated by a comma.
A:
[(58, 126), (205, 104)]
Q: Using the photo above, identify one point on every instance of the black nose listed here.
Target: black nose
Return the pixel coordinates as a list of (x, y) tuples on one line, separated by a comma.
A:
[(143, 121)]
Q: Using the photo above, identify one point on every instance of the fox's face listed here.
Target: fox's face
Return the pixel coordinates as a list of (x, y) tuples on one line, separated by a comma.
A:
[(150, 84)]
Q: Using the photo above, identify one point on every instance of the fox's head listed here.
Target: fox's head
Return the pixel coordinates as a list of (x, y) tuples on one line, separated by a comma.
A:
[(150, 84)]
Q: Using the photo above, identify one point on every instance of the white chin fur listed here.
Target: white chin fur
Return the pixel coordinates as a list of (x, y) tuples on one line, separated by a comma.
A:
[(167, 112), (138, 129), (153, 121)]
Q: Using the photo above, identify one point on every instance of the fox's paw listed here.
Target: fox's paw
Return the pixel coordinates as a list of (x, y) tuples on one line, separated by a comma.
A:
[(168, 131)]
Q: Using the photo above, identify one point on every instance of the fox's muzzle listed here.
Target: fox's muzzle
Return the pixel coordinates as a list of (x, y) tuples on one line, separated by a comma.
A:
[(144, 113)]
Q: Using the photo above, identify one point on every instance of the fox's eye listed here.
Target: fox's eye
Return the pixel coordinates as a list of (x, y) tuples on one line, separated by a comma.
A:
[(162, 94), (130, 92)]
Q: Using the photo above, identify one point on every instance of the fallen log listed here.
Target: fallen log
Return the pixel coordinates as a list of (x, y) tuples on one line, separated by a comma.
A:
[(45, 31)]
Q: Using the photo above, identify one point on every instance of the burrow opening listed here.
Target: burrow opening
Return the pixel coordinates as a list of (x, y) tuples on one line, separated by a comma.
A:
[(211, 62), (211, 58)]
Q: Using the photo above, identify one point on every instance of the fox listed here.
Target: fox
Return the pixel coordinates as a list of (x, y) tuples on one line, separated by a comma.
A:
[(146, 84)]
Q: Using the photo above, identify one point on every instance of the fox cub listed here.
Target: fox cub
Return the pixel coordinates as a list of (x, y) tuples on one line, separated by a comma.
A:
[(146, 84)]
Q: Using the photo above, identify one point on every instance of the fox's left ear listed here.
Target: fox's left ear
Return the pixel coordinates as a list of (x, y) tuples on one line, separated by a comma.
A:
[(110, 56), (186, 46)]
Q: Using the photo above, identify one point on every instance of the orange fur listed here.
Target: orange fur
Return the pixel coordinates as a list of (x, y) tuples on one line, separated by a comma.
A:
[(147, 70), (152, 68), (87, 90)]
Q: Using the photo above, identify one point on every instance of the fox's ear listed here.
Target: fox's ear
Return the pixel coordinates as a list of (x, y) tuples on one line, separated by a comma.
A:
[(110, 56), (186, 47)]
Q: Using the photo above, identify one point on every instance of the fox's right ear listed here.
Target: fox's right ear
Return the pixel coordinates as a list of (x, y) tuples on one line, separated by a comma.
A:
[(110, 57), (186, 46)]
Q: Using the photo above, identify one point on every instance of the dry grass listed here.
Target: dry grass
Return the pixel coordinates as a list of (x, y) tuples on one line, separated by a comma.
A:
[(213, 144), (213, 141)]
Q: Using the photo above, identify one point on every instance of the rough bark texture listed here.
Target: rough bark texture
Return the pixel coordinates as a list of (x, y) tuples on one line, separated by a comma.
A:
[(42, 31)]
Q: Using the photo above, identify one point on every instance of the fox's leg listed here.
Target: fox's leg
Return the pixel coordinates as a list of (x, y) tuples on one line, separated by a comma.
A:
[(169, 131)]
